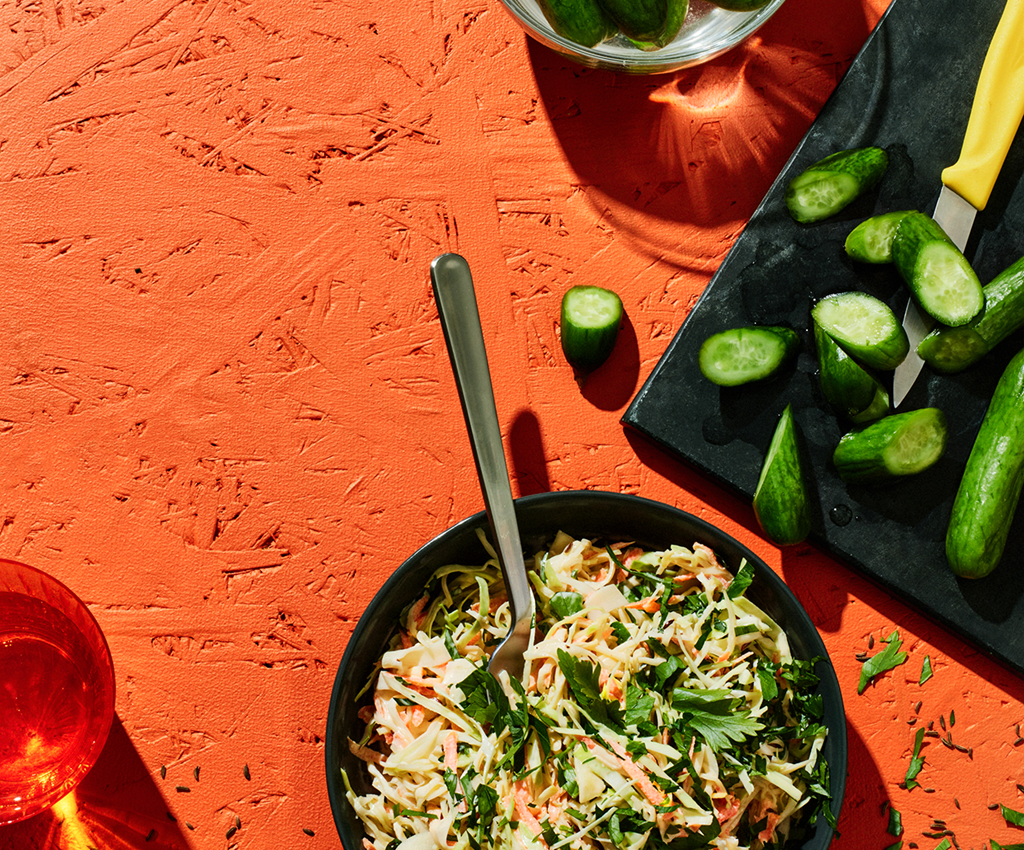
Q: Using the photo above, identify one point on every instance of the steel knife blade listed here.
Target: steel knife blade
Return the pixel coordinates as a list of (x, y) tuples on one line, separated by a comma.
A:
[(966, 185)]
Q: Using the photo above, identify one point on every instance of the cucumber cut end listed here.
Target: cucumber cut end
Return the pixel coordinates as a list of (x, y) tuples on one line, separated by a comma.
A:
[(865, 327), (919, 444), (740, 355), (591, 316), (946, 286), (815, 195)]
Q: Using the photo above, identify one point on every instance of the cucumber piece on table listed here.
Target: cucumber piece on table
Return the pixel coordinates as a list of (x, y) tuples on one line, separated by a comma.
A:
[(865, 327), (642, 20), (781, 500), (847, 386), (871, 240), (954, 349), (990, 488), (939, 276), (741, 355), (591, 316), (826, 187), (898, 444), (583, 22)]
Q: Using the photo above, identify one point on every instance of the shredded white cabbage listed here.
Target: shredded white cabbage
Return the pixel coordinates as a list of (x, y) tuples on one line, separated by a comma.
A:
[(659, 708)]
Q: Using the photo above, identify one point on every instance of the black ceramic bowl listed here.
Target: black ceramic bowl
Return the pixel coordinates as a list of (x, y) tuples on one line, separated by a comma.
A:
[(584, 513)]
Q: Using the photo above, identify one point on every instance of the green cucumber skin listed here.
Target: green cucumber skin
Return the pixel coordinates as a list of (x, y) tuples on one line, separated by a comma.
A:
[(865, 165), (871, 240), (641, 20), (990, 488), (952, 350), (781, 501), (861, 454), (846, 385), (740, 5), (677, 10), (583, 22), (913, 234)]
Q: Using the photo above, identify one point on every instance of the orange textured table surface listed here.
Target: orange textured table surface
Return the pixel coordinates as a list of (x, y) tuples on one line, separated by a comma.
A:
[(226, 408)]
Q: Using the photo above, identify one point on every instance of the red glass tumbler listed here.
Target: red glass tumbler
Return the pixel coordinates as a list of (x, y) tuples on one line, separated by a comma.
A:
[(56, 691)]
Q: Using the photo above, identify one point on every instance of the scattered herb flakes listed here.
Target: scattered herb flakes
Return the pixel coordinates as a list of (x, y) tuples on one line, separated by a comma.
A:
[(238, 822), (887, 659), (245, 772), (163, 771), (189, 825), (231, 832), (182, 789), (952, 718), (1012, 817), (895, 823), (926, 670), (956, 802), (308, 831), (172, 817), (195, 773), (997, 846), (871, 641), (942, 722), (944, 845), (898, 845), (151, 835), (916, 761)]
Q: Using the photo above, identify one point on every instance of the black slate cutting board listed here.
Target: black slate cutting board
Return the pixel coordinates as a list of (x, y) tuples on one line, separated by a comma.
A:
[(909, 90)]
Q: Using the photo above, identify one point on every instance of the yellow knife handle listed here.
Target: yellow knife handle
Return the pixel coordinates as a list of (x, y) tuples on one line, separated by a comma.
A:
[(996, 113)]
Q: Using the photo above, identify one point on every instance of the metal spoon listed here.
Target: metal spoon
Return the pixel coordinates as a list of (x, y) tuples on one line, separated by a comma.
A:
[(460, 321)]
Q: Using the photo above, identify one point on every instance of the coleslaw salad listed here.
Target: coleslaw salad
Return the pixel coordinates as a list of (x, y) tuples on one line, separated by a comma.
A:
[(659, 708)]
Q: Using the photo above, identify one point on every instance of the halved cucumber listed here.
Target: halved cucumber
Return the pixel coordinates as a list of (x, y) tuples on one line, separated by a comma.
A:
[(851, 390), (899, 444), (781, 500), (865, 327), (871, 240), (831, 184), (939, 276), (741, 355), (591, 316)]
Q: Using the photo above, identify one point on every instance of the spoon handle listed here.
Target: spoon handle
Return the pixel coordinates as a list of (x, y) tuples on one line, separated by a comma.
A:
[(460, 321)]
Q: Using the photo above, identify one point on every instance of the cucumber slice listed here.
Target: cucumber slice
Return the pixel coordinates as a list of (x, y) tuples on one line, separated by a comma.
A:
[(899, 444), (741, 355), (864, 327), (781, 500), (871, 240), (851, 390), (939, 276), (591, 316), (954, 349), (986, 500), (825, 188)]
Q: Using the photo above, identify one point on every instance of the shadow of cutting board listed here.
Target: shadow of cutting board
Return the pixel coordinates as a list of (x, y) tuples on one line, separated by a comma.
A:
[(909, 91)]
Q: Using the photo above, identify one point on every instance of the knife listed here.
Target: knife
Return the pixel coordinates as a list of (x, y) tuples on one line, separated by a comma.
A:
[(967, 184)]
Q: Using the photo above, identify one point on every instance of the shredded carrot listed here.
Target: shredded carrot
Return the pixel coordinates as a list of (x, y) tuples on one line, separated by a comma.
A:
[(521, 799), (365, 753)]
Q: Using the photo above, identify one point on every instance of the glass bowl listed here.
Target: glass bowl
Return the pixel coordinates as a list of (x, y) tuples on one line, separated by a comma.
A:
[(584, 513), (707, 32)]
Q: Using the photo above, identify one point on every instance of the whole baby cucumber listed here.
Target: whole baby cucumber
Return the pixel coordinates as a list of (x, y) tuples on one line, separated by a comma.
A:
[(937, 273), (986, 500), (583, 22), (825, 188), (674, 19), (640, 20), (954, 349)]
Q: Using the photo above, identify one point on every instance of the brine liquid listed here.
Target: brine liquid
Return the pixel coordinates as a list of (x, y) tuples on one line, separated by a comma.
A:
[(55, 703)]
